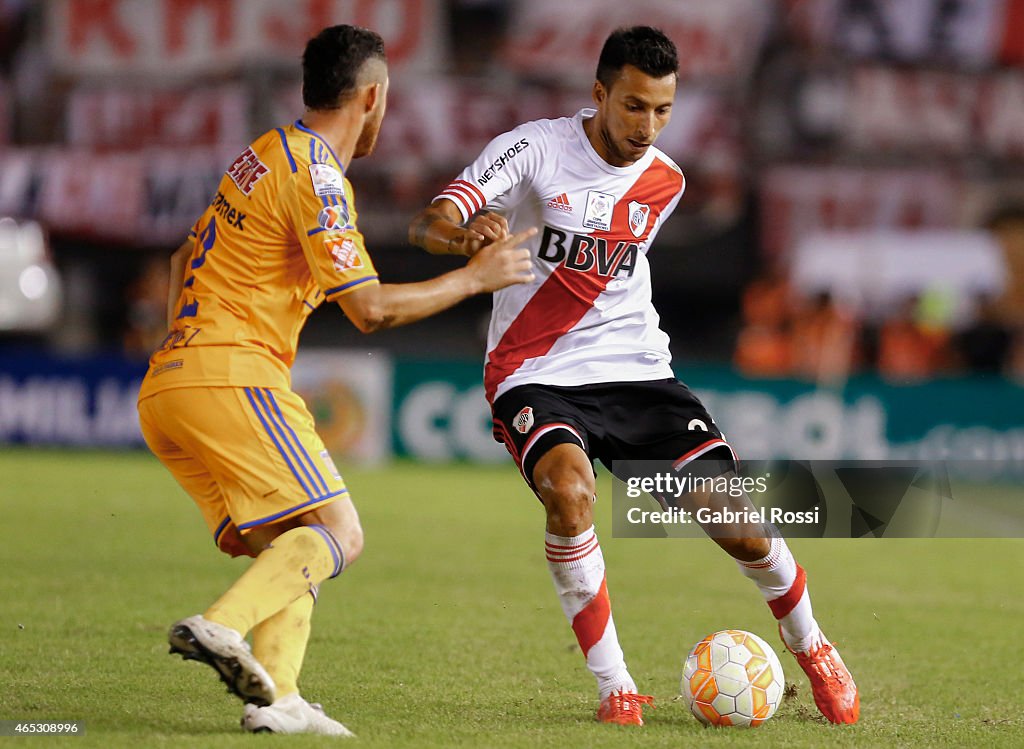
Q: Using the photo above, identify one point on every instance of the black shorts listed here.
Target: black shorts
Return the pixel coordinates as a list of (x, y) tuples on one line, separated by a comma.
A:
[(660, 420)]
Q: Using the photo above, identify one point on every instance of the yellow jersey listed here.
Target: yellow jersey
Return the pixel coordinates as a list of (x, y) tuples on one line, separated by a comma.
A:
[(278, 239)]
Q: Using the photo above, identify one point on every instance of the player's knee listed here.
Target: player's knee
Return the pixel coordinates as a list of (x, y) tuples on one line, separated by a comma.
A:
[(568, 498), (342, 520), (746, 549), (350, 537)]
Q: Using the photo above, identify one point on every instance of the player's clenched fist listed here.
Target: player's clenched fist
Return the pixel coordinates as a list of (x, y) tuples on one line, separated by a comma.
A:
[(503, 263), (485, 228)]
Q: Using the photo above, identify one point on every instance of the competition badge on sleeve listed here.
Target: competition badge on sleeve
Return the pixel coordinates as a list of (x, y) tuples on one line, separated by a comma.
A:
[(599, 210), (326, 180)]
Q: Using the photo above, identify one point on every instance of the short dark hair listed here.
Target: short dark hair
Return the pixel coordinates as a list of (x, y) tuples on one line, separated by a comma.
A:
[(332, 61), (643, 47)]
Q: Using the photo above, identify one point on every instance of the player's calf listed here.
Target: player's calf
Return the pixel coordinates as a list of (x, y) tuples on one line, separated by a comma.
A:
[(783, 583), (745, 549)]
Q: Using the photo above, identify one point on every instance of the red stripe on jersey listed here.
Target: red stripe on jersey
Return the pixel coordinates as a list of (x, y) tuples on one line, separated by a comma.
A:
[(460, 187), (566, 296), (478, 197), (784, 604), (590, 624), (455, 196), (467, 197)]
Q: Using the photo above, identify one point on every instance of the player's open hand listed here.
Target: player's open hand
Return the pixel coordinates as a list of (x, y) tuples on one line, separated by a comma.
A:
[(485, 228), (503, 263)]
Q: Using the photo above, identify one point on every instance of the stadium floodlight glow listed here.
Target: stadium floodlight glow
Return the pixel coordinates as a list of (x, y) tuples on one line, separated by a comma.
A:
[(33, 282)]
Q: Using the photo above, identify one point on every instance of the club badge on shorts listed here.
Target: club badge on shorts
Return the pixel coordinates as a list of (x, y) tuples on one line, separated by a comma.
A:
[(523, 422)]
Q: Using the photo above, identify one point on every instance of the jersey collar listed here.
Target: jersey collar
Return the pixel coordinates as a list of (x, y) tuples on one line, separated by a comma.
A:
[(588, 148), (299, 124)]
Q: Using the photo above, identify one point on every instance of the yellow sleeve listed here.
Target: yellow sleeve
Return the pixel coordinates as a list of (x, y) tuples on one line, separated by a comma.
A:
[(326, 228)]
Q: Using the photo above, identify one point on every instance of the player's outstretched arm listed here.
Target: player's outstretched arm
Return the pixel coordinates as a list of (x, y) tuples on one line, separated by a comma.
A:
[(178, 262), (438, 229), (494, 267)]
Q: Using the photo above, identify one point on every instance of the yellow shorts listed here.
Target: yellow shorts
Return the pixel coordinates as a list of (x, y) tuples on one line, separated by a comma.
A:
[(247, 456)]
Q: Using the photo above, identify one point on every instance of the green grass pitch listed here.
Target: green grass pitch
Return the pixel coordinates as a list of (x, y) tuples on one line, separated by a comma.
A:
[(447, 632)]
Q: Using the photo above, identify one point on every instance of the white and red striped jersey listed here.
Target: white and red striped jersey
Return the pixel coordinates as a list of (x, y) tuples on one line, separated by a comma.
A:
[(587, 317)]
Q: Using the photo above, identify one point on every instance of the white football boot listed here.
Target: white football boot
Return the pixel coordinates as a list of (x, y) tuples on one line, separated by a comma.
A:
[(292, 714), (227, 652)]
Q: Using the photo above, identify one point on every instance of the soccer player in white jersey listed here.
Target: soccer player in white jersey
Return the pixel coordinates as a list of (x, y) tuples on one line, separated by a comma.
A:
[(577, 367)]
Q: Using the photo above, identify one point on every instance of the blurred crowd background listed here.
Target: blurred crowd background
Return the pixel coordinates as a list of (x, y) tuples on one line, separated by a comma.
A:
[(844, 275), (855, 168)]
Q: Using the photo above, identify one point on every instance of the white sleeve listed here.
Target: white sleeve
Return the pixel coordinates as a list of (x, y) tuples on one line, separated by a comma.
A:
[(505, 166)]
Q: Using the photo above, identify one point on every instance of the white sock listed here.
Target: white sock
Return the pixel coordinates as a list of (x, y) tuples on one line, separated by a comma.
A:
[(577, 568), (783, 584)]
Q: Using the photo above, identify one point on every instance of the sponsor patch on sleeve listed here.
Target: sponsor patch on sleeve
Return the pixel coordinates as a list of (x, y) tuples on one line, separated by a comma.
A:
[(247, 170), (344, 253), (326, 180), (334, 217)]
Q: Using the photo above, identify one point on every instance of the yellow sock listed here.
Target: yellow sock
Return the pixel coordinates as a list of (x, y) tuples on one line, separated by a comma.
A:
[(287, 569), (279, 643)]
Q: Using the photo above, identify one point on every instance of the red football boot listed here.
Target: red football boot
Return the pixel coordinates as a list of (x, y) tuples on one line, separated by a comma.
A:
[(624, 708), (835, 692)]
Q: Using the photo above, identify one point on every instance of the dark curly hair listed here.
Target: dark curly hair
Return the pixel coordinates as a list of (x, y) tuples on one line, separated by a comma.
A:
[(332, 61), (643, 47)]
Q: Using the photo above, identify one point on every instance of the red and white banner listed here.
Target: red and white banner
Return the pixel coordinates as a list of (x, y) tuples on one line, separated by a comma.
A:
[(434, 127), (114, 117), (905, 111), (169, 37), (178, 184), (799, 201), (964, 33), (146, 198), (444, 123), (562, 40), (115, 184), (87, 194)]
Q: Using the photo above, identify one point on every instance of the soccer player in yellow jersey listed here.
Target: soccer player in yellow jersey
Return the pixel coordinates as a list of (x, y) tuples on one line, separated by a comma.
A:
[(279, 238)]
